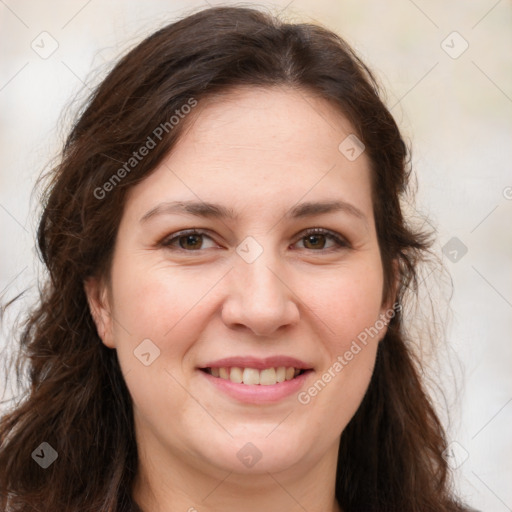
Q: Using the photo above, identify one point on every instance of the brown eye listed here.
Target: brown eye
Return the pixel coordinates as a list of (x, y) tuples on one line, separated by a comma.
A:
[(315, 239), (192, 240)]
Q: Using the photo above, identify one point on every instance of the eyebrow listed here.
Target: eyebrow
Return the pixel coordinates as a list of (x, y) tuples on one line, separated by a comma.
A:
[(212, 210)]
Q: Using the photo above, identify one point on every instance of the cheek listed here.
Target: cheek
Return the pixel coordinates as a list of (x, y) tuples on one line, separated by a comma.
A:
[(349, 303), (160, 306), (168, 306), (155, 303), (350, 307)]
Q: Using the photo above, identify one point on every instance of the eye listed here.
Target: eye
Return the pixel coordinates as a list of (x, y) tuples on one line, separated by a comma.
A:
[(188, 240), (316, 238)]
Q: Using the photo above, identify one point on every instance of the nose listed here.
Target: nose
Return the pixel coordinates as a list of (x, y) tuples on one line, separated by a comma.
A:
[(260, 297)]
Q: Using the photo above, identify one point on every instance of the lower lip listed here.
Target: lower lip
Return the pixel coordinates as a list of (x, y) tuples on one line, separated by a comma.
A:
[(257, 394)]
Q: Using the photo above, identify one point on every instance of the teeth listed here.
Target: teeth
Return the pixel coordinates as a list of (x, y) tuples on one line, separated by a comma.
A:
[(236, 375), (268, 377), (252, 376)]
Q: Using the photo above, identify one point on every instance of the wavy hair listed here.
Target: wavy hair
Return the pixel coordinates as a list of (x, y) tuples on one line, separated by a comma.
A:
[(390, 454)]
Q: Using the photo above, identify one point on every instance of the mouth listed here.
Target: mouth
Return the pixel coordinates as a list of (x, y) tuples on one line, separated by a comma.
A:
[(254, 376)]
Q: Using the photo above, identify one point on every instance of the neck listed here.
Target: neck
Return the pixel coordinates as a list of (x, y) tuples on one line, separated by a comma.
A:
[(168, 482)]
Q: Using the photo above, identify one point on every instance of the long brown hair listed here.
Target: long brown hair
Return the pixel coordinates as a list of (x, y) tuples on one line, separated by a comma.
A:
[(390, 454)]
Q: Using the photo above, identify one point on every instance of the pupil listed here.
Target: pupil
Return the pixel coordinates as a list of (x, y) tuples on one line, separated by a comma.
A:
[(193, 240), (314, 239)]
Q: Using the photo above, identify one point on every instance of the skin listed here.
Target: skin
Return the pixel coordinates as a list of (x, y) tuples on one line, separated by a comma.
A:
[(259, 152)]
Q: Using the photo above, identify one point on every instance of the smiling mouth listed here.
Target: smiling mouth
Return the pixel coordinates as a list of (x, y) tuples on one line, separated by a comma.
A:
[(253, 376)]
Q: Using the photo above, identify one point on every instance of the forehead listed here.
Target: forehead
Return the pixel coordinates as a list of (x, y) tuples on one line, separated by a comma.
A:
[(260, 146)]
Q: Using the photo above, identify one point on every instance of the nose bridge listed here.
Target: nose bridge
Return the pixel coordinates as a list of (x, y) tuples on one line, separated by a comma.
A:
[(263, 282), (259, 297)]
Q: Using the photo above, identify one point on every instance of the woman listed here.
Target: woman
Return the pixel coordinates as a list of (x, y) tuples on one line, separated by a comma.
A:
[(228, 262)]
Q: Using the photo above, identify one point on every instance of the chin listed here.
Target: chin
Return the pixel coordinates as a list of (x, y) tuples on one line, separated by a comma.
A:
[(259, 453)]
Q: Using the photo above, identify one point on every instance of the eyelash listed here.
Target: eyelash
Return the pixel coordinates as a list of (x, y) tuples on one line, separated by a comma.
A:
[(341, 242)]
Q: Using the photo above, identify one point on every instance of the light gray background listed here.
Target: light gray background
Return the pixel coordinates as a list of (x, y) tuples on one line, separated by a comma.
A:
[(455, 108)]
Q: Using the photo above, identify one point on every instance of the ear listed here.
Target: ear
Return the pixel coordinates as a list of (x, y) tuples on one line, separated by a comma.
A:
[(97, 298)]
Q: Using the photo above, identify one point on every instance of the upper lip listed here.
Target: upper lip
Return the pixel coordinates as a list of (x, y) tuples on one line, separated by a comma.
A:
[(258, 363)]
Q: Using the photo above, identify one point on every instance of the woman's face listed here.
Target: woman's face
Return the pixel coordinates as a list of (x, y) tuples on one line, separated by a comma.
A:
[(251, 290)]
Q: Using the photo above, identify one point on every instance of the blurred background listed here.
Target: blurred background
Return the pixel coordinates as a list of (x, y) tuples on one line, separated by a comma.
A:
[(447, 70)]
